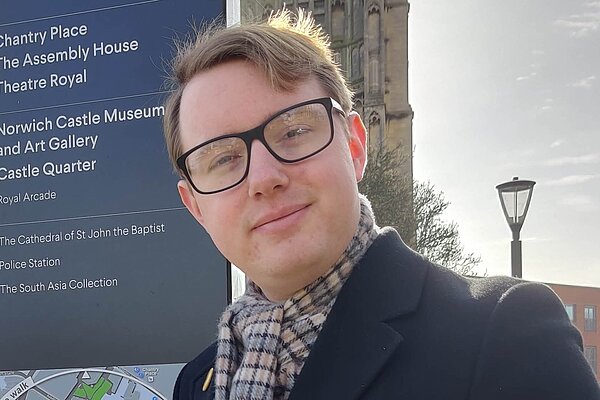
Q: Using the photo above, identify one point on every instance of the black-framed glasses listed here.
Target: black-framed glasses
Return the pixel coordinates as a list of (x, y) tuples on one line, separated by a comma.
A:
[(293, 134)]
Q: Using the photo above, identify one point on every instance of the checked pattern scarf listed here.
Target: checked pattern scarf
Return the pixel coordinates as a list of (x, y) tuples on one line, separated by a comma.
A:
[(262, 345)]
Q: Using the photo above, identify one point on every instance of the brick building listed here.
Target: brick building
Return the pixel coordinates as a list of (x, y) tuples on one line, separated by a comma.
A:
[(581, 304)]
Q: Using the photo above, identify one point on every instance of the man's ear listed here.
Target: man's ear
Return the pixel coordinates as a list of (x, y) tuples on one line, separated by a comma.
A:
[(187, 197), (357, 142)]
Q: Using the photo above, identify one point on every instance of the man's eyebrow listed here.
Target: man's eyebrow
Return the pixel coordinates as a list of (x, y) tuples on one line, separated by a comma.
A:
[(267, 117)]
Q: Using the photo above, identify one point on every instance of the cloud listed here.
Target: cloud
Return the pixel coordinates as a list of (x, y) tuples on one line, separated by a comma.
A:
[(580, 202), (573, 160), (571, 180), (526, 77), (579, 29), (547, 106), (585, 83), (557, 143), (582, 25), (538, 52)]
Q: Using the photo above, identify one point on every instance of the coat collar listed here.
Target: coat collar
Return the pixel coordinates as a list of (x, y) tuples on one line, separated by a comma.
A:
[(356, 341)]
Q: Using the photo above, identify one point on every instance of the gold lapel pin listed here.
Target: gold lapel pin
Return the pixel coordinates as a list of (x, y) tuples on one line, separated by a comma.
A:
[(207, 380)]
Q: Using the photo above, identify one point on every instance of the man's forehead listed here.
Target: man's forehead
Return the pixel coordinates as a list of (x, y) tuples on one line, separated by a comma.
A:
[(232, 98)]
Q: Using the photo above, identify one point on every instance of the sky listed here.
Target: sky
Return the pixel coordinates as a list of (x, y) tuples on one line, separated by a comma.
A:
[(512, 88)]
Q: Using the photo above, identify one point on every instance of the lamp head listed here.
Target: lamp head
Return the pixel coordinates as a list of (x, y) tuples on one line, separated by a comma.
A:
[(515, 197)]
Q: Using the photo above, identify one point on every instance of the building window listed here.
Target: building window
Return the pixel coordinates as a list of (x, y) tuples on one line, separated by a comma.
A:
[(338, 20), (373, 28), (375, 134), (320, 19), (318, 12), (591, 355), (361, 57), (319, 6), (571, 312), (358, 11), (355, 60), (589, 316), (373, 74)]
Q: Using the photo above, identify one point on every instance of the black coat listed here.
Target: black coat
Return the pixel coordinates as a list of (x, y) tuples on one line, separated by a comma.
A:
[(403, 328)]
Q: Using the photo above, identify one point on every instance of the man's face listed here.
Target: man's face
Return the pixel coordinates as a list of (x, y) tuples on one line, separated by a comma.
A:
[(285, 224)]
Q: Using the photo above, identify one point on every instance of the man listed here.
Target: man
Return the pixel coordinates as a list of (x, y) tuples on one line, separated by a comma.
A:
[(260, 126)]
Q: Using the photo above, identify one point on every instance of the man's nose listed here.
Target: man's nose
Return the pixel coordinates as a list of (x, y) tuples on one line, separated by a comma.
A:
[(266, 174)]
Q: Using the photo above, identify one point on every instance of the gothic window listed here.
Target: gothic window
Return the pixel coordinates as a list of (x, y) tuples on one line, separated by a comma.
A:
[(319, 6), (320, 20), (358, 105), (319, 12), (375, 134), (355, 62), (373, 73), (373, 118), (338, 19), (361, 57), (358, 11), (373, 27), (373, 8)]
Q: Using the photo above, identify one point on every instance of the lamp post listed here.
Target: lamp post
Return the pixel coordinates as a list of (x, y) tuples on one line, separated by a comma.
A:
[(515, 197)]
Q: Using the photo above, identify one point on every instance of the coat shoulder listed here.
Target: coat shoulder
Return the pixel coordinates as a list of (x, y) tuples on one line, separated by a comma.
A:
[(191, 379), (491, 291)]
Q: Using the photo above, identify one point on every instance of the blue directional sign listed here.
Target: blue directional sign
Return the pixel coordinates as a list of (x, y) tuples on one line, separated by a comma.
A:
[(100, 264)]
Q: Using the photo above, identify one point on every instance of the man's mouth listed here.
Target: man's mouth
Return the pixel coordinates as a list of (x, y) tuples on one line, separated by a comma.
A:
[(281, 217)]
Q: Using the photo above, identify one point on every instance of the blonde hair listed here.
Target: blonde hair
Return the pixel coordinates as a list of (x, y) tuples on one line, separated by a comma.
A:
[(289, 49)]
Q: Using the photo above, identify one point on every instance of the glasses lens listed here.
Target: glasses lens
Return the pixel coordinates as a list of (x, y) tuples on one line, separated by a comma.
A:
[(299, 132), (218, 164)]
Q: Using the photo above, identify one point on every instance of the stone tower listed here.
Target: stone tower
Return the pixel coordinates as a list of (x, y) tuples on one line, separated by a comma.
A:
[(370, 40)]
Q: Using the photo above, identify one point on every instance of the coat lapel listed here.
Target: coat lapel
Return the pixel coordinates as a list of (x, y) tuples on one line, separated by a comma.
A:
[(356, 341)]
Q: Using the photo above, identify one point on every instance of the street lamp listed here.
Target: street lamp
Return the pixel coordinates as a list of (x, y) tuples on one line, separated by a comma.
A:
[(515, 197)]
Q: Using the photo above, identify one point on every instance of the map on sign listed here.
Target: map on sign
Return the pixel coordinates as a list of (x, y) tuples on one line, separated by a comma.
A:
[(113, 383)]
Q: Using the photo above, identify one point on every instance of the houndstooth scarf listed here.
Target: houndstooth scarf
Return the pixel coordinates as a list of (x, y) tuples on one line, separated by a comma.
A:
[(262, 346)]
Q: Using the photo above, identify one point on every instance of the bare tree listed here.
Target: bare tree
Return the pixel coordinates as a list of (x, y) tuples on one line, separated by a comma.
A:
[(437, 239), (415, 210), (390, 192)]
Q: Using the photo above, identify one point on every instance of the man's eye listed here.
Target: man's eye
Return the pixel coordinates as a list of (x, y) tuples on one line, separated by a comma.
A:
[(295, 133), (224, 160)]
